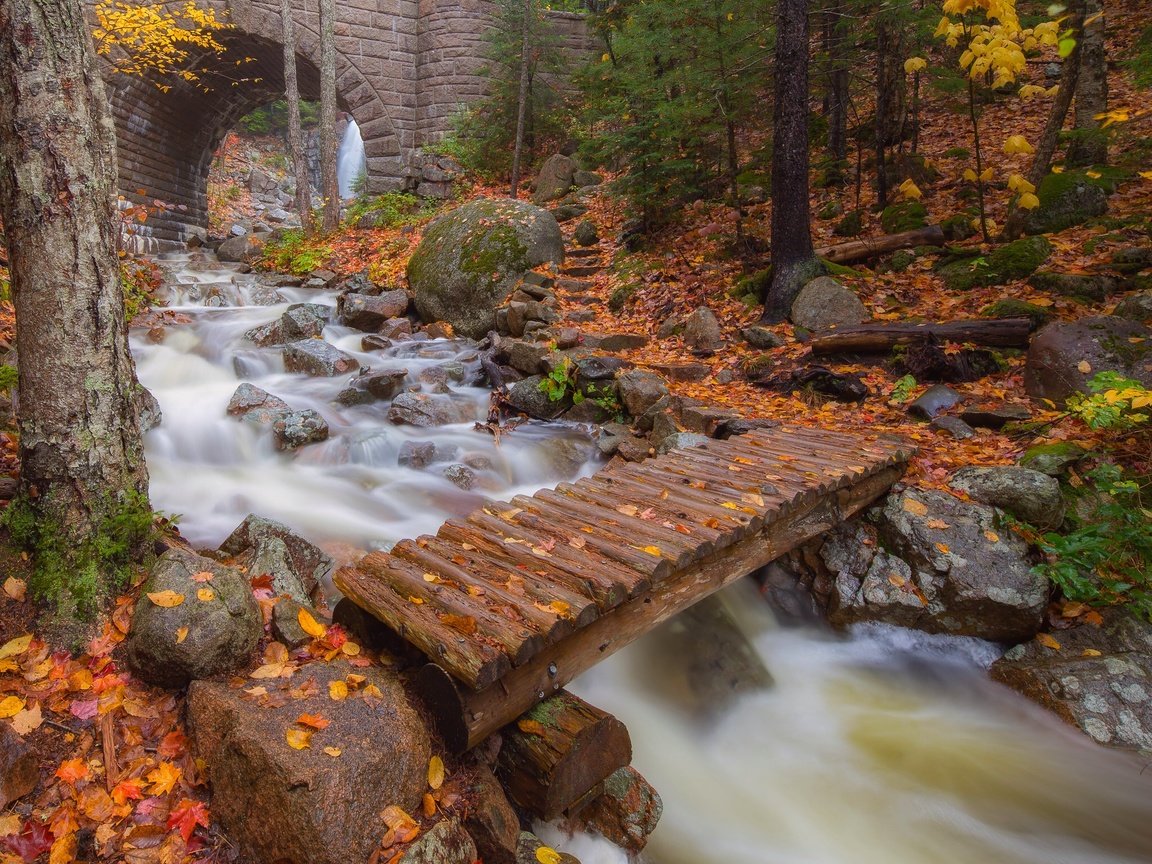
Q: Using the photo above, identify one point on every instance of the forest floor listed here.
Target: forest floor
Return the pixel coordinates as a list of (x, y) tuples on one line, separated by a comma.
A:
[(117, 776)]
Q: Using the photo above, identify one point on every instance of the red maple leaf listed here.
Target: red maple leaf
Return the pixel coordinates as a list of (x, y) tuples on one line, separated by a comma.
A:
[(31, 843), (173, 745), (187, 815)]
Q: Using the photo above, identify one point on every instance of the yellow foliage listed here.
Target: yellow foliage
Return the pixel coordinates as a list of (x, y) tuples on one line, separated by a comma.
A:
[(910, 190), (1018, 144), (915, 64), (1028, 201)]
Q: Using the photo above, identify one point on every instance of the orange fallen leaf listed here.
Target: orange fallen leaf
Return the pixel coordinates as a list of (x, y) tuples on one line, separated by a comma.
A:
[(942, 548), (205, 595), (181, 635), (72, 771), (310, 625), (435, 772), (465, 624), (10, 706), (315, 721), (992, 536), (166, 599), (299, 739), (938, 524), (428, 805), (530, 727), (1048, 641), (15, 588), (916, 508), (548, 855), (203, 576), (1091, 652)]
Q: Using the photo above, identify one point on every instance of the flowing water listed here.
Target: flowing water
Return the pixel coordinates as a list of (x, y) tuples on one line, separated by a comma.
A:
[(351, 163), (886, 747), (348, 491)]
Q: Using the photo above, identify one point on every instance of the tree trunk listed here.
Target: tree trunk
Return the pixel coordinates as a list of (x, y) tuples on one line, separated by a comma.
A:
[(837, 82), (295, 133), (81, 453), (329, 184), (884, 336), (1090, 145), (522, 97), (862, 250), (792, 252)]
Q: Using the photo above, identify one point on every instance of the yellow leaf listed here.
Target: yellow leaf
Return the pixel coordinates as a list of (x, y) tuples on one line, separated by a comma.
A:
[(10, 706), (181, 635), (164, 778), (436, 772), (992, 536), (915, 507), (299, 739), (987, 174), (942, 548), (628, 509), (350, 649), (64, 849), (1147, 175), (910, 190), (1048, 641), (1095, 175), (651, 550), (337, 690), (1028, 201), (1084, 366), (969, 175), (547, 855), (16, 646), (1018, 144), (334, 752), (205, 595), (166, 599), (897, 580), (268, 670), (1091, 652), (15, 588), (310, 625), (915, 64)]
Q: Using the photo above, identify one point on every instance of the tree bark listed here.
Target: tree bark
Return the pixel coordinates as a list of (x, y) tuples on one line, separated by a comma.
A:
[(1090, 146), (837, 82), (80, 444), (791, 220), (522, 97), (295, 133), (881, 337), (330, 185)]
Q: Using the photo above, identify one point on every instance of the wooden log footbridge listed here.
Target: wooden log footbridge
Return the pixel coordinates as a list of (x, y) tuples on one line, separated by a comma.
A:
[(517, 599)]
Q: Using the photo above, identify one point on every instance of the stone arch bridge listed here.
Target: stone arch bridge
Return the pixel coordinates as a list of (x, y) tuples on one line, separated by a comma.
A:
[(403, 68)]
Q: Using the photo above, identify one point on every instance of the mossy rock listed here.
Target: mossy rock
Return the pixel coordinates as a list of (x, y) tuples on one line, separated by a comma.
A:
[(906, 216), (902, 260), (834, 269), (1090, 287), (958, 227), (621, 297), (471, 259), (1011, 261), (1052, 459), (957, 153), (830, 210), (850, 226), (1010, 307), (1067, 199)]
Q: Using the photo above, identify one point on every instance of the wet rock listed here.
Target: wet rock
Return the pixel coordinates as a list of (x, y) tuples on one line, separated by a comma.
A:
[(420, 409), (935, 400), (954, 426), (461, 476), (368, 313), (375, 343), (527, 398), (1028, 495), (994, 416), (19, 767), (491, 821), (299, 428), (640, 390), (396, 328), (566, 456), (555, 179), (309, 563), (1064, 356), (529, 844), (929, 561), (1136, 307), (416, 454), (305, 806), (246, 248), (824, 304), (1098, 679), (222, 631), (317, 358), (270, 557), (369, 386), (286, 627), (761, 338), (267, 335), (305, 320), (438, 330), (680, 441), (147, 409), (446, 842), (702, 330), (626, 813)]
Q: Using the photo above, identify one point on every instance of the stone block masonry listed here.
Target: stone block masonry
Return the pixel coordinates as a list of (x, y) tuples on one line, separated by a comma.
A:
[(404, 69)]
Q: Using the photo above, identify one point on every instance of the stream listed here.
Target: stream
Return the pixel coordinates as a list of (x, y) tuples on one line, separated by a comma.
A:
[(885, 746)]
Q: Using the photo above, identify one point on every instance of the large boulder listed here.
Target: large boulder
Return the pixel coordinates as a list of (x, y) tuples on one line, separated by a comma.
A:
[(1016, 260), (824, 303), (1030, 496), (929, 561), (368, 313), (701, 330), (1098, 678), (420, 409), (320, 804), (317, 358), (1065, 356), (213, 609), (245, 249), (1066, 199), (471, 259), (555, 180), (251, 539), (640, 390)]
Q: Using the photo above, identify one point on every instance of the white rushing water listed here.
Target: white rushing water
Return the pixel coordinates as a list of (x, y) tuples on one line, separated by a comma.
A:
[(888, 747), (349, 491), (350, 160)]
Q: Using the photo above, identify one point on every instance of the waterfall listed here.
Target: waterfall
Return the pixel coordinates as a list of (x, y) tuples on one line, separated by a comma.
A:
[(350, 161)]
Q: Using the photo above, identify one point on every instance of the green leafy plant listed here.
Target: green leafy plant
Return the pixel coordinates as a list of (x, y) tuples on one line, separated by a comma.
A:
[(393, 209), (140, 279), (560, 383), (9, 377), (293, 252), (1115, 402), (902, 390)]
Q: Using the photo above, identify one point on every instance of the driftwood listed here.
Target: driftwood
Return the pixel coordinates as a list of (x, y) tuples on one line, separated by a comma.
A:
[(862, 250), (560, 751), (881, 337)]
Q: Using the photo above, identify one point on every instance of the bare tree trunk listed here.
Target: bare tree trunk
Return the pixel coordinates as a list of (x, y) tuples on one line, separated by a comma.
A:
[(792, 253), (295, 134), (81, 453), (1090, 146), (889, 100), (329, 184), (837, 83), (522, 98)]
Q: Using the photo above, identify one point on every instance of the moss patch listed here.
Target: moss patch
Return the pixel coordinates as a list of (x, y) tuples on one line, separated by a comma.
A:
[(906, 216), (1012, 308)]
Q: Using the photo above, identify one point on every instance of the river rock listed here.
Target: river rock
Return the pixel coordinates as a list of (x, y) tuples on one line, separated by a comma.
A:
[(555, 179), (298, 428), (317, 358), (245, 249), (1064, 356), (1028, 495), (640, 390), (446, 842), (305, 320), (307, 806), (527, 398), (461, 476), (421, 409), (529, 844), (371, 386), (222, 631), (309, 564), (626, 813), (824, 303), (147, 409), (257, 406), (396, 328), (490, 820), (19, 767), (929, 561), (368, 313), (1096, 678), (471, 259), (416, 454)]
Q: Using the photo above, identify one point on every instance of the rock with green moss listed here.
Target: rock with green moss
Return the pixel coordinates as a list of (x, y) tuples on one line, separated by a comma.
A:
[(1053, 459), (850, 226), (1009, 262), (902, 260), (1132, 259), (830, 210), (1066, 200), (1010, 307), (471, 259), (905, 216), (1065, 356), (958, 227), (1093, 287), (1137, 307)]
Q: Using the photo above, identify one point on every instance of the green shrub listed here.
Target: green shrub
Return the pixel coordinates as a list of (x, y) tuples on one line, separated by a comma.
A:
[(393, 210), (293, 252)]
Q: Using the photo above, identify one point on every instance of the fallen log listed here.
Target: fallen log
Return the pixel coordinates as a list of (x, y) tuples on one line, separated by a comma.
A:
[(882, 337), (558, 752), (862, 250)]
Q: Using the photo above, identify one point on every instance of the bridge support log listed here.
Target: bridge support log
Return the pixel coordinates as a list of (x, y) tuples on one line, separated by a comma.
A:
[(559, 752), (465, 717)]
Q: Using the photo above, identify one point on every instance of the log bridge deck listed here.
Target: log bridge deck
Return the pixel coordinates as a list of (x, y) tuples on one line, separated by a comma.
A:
[(516, 600)]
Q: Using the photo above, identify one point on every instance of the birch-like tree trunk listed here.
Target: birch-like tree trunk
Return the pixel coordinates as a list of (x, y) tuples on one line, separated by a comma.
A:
[(295, 133), (523, 96), (1090, 144), (329, 184)]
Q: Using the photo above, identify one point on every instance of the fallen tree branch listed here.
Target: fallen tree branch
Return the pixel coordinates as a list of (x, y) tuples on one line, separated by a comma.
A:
[(861, 250), (882, 337)]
